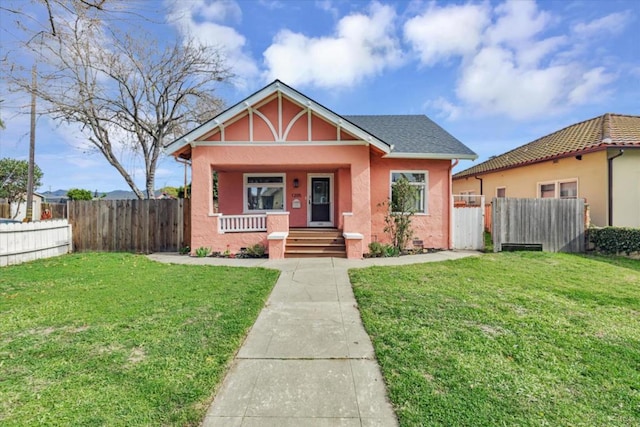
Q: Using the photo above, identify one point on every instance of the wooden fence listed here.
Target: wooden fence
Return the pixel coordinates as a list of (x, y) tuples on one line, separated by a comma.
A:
[(22, 242), (58, 210), (142, 226), (555, 224), (5, 210)]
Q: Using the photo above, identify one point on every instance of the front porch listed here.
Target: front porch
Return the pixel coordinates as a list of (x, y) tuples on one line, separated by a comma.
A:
[(271, 229)]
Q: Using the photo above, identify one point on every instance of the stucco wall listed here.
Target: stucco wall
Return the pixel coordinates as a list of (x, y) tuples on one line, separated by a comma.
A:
[(591, 173), (432, 228), (626, 188), (349, 164)]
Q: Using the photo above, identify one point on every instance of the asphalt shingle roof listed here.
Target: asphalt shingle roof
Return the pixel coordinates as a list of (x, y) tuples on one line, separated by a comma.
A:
[(597, 133), (411, 134)]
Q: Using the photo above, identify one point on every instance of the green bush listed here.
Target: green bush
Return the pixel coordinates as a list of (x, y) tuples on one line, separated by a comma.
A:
[(256, 251), (615, 240), (390, 251), (202, 252), (377, 250)]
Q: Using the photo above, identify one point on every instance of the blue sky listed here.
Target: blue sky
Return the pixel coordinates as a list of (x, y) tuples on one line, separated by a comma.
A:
[(494, 74)]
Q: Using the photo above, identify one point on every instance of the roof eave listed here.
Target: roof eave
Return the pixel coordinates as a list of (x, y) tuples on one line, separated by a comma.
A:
[(433, 156), (587, 150)]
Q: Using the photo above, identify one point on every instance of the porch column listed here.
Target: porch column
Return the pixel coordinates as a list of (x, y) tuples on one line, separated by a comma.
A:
[(277, 233), (361, 199), (204, 226)]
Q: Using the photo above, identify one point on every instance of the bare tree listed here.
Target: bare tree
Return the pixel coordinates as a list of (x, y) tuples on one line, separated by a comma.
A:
[(128, 93)]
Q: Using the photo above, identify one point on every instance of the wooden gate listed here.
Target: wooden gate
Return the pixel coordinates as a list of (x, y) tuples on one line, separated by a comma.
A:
[(468, 222)]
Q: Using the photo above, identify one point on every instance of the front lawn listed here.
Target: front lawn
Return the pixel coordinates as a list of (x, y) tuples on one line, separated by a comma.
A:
[(513, 339), (116, 339)]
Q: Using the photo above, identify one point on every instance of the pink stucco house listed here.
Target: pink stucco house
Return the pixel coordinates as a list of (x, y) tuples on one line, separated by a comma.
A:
[(305, 181)]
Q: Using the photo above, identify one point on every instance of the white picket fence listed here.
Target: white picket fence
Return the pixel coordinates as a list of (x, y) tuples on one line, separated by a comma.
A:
[(22, 242), (242, 223)]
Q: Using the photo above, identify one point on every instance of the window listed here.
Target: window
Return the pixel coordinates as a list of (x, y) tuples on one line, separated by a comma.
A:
[(417, 179), (548, 191), (501, 192), (264, 192), (568, 190), (559, 189), (467, 197)]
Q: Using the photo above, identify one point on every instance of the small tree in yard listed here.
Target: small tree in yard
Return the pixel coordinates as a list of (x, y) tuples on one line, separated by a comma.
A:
[(13, 180), (399, 211), (79, 194)]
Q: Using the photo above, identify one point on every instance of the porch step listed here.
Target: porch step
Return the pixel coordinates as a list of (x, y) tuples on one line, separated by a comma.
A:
[(308, 243)]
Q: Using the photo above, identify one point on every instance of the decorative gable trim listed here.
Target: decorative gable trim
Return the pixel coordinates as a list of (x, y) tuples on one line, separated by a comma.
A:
[(250, 107)]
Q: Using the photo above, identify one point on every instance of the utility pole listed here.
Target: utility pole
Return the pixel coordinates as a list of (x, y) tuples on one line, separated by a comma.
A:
[(32, 147)]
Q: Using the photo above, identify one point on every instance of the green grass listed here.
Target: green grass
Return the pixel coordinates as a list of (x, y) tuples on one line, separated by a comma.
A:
[(511, 339), (116, 339)]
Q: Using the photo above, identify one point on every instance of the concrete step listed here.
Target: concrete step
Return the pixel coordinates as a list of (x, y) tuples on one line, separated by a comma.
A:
[(316, 242), (314, 254)]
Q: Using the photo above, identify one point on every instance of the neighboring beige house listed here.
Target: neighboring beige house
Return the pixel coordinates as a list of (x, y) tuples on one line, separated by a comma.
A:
[(597, 159)]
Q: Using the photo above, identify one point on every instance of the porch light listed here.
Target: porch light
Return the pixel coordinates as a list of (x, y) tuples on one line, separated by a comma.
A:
[(296, 183)]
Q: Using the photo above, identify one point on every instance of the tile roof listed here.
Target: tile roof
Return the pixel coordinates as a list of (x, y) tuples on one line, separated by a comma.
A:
[(412, 134), (608, 130)]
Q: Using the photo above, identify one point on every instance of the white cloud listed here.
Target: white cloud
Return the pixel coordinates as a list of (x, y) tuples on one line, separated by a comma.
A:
[(493, 82), (193, 19), (519, 21), (327, 6), (613, 23), (442, 32), (219, 11), (509, 65), (447, 109), (591, 82), (363, 45)]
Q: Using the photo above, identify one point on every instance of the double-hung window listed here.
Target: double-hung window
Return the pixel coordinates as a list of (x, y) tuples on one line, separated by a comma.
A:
[(566, 189), (419, 180), (264, 192), (569, 190)]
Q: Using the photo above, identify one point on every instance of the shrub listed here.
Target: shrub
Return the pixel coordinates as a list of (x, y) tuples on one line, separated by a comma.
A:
[(377, 249), (398, 213), (184, 250), (615, 240), (256, 251), (390, 251), (202, 252)]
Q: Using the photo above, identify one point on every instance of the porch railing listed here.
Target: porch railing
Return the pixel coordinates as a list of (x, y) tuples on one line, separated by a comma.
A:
[(242, 223)]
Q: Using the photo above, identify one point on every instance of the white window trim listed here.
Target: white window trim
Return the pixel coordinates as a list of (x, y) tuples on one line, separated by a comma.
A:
[(556, 184), (426, 187), (501, 188), (331, 200), (245, 179)]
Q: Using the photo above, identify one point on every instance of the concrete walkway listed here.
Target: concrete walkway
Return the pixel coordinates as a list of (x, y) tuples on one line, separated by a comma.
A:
[(307, 360)]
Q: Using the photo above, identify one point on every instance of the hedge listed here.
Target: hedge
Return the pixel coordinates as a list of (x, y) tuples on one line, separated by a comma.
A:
[(615, 240)]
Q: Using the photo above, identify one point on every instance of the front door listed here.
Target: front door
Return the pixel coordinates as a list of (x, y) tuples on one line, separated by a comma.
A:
[(320, 200)]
